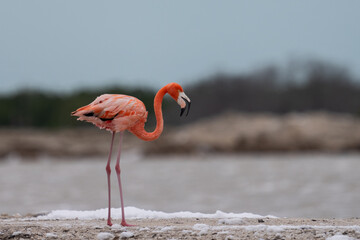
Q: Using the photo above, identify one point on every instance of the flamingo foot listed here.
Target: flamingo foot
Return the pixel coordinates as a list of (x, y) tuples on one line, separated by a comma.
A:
[(109, 223), (125, 224)]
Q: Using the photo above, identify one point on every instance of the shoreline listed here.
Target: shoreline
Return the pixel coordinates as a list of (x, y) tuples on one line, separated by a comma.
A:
[(181, 228)]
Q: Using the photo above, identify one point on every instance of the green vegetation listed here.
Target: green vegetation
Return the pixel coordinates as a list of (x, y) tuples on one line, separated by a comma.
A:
[(38, 109)]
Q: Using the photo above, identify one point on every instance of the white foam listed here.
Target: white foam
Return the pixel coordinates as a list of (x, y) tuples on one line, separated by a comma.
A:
[(126, 235), (203, 228), (105, 236), (51, 235), (136, 213), (340, 237)]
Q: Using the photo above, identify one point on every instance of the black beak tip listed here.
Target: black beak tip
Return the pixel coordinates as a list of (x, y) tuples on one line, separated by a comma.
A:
[(188, 108), (182, 111)]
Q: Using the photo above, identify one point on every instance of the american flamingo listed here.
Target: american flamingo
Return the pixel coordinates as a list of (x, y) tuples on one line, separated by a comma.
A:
[(117, 113)]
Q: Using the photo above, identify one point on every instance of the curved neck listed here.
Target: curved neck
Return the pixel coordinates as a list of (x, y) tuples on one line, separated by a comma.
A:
[(139, 129)]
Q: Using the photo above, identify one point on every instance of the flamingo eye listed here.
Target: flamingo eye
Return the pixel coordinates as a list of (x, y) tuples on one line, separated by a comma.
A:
[(100, 101)]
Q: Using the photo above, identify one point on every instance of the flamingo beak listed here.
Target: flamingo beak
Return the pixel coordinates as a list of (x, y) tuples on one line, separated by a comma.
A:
[(185, 103)]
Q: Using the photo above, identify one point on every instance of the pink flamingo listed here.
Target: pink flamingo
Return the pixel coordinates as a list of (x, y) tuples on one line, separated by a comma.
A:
[(117, 113)]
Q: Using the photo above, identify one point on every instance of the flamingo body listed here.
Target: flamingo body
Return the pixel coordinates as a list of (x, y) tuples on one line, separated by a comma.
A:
[(113, 112)]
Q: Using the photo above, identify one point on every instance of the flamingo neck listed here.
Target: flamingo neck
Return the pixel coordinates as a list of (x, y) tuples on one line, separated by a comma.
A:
[(139, 129)]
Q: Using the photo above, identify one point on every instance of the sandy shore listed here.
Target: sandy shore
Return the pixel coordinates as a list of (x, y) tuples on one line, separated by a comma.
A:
[(244, 132), (231, 132), (181, 228)]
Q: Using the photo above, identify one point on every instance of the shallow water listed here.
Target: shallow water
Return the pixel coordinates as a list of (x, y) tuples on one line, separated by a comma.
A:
[(299, 185)]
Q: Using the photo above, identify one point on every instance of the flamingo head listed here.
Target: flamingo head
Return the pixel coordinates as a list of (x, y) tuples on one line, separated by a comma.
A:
[(177, 93)]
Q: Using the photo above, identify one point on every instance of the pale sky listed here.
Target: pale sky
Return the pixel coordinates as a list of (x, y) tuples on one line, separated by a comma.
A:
[(67, 45)]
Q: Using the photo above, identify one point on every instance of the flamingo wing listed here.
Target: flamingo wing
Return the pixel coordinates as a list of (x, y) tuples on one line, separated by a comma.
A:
[(114, 112)]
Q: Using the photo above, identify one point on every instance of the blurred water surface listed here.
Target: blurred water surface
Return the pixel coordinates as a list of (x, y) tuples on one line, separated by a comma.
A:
[(287, 185)]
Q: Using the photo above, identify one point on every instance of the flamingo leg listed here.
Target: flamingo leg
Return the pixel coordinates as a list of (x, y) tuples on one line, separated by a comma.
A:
[(118, 171), (108, 172)]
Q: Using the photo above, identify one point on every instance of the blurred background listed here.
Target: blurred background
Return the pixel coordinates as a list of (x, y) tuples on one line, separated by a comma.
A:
[(274, 126)]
